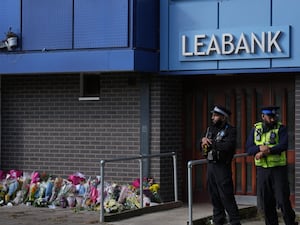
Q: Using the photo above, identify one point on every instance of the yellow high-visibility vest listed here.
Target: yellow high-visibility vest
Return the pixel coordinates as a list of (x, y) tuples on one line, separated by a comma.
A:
[(260, 138)]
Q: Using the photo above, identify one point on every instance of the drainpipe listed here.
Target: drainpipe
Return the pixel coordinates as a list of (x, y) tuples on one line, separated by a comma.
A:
[(145, 123)]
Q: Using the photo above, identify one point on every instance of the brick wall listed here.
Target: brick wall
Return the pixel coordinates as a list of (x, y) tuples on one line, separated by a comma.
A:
[(46, 128), (166, 130)]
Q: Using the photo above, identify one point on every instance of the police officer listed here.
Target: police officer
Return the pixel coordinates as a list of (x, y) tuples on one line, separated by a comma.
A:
[(268, 143), (218, 146)]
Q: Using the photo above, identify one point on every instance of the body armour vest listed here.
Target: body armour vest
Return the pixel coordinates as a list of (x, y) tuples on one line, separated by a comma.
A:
[(270, 139)]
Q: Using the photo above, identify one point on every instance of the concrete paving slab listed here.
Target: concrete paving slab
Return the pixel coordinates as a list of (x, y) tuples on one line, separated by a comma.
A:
[(29, 215)]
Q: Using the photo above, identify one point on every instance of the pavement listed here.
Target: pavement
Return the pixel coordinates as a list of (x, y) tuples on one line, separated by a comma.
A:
[(30, 215)]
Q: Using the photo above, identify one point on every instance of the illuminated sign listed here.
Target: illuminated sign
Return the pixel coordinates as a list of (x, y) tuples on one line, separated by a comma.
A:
[(270, 42)]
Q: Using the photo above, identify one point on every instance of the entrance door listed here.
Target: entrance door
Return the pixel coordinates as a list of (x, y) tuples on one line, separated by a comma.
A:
[(244, 96)]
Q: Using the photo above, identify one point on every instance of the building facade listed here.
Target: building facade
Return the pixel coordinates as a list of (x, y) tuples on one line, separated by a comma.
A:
[(82, 86), (243, 54), (93, 80)]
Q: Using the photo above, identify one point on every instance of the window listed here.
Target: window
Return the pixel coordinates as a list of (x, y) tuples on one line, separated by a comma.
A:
[(89, 87)]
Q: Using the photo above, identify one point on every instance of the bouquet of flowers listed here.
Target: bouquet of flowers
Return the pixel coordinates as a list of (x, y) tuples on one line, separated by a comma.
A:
[(11, 184), (111, 203), (44, 192), (57, 184), (77, 191), (42, 189), (132, 200), (94, 192), (12, 188), (22, 193), (112, 206), (67, 189), (33, 188), (150, 189)]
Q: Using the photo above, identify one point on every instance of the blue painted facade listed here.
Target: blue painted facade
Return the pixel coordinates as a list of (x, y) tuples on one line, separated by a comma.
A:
[(80, 36), (241, 39), (189, 18)]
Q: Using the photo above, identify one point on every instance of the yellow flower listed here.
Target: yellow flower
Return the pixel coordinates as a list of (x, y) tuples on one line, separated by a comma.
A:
[(112, 203), (154, 187), (32, 191)]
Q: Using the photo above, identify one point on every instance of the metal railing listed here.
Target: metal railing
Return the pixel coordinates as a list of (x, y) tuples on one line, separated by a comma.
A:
[(140, 158), (190, 191)]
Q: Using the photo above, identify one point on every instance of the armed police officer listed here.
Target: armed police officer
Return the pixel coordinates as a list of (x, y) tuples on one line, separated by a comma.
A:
[(218, 146), (268, 143)]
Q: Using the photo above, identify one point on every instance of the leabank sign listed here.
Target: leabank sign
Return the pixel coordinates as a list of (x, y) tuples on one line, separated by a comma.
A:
[(255, 43)]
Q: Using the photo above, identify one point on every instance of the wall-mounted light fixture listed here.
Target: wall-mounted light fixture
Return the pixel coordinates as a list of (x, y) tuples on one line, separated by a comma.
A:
[(11, 41)]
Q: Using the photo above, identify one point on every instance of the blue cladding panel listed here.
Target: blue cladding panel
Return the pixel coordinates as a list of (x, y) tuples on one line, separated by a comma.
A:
[(244, 15), (47, 24), (99, 29), (67, 61), (288, 13), (9, 17), (101, 23), (146, 24), (188, 15)]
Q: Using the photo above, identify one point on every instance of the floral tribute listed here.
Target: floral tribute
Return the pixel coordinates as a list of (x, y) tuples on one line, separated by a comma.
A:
[(76, 191)]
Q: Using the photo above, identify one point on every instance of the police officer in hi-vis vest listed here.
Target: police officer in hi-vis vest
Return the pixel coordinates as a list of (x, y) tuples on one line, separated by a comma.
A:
[(268, 143), (218, 146)]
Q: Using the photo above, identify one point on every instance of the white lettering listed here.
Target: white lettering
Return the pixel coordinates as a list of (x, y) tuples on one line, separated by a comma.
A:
[(273, 41), (242, 45), (199, 44), (255, 41), (213, 46), (183, 42), (227, 45)]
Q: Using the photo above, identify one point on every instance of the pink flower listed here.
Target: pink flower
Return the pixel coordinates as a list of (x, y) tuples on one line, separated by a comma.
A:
[(76, 178), (15, 173), (35, 177), (94, 194), (136, 183)]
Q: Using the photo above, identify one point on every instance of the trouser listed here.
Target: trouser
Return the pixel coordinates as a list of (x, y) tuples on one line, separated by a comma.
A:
[(273, 190), (220, 186)]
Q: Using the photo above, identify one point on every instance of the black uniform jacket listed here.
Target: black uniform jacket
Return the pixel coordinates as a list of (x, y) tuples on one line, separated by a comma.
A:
[(223, 142)]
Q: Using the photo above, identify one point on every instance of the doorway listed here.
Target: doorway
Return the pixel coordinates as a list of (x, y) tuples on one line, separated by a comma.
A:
[(244, 95)]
